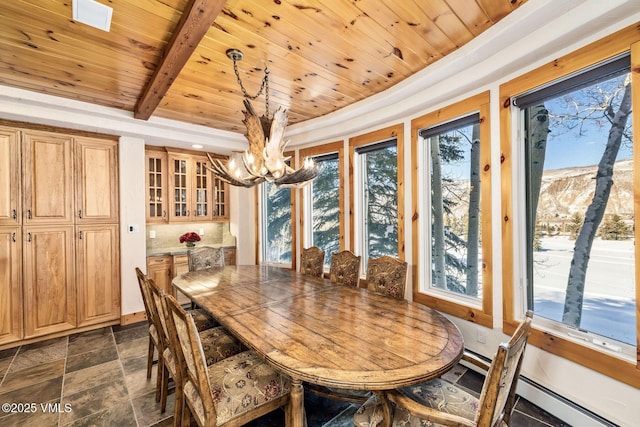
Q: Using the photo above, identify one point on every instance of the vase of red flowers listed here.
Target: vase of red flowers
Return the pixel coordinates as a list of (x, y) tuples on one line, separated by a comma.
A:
[(190, 238)]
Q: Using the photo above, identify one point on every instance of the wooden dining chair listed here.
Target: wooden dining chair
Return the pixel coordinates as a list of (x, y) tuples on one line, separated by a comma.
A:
[(438, 402), (231, 392), (312, 261), (153, 333), (345, 269), (217, 343), (205, 257), (387, 276)]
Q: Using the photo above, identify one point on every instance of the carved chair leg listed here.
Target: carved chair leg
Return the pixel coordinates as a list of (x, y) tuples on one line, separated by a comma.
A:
[(150, 358), (159, 378)]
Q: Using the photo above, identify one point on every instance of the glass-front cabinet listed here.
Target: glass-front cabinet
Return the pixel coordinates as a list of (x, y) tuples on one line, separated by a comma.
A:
[(180, 188)]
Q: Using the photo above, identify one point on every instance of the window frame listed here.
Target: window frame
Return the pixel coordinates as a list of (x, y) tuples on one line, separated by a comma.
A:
[(392, 132), (260, 231), (575, 350), (305, 220), (459, 306)]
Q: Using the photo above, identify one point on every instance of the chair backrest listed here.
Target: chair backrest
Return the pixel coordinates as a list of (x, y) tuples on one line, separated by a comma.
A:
[(312, 261), (345, 268), (158, 311), (205, 257), (146, 299), (387, 276), (499, 389), (191, 368)]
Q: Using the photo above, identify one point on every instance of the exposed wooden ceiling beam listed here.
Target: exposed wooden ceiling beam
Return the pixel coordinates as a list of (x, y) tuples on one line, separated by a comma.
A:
[(196, 20)]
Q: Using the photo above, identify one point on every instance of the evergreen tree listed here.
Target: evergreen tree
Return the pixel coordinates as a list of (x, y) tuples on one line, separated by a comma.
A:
[(614, 228), (326, 209)]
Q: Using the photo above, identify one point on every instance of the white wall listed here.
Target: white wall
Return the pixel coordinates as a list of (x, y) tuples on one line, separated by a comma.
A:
[(133, 248)]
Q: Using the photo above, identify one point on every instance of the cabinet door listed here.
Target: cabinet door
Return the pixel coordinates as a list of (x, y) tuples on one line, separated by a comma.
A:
[(180, 266), (179, 187), (49, 280), (220, 199), (96, 181), (98, 273), (47, 178), (156, 184), (202, 190), (10, 284), (159, 269), (10, 177)]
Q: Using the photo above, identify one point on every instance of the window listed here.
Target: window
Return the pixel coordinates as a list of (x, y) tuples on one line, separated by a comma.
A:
[(451, 182), (323, 219), (377, 201), (277, 229), (580, 205), (569, 223)]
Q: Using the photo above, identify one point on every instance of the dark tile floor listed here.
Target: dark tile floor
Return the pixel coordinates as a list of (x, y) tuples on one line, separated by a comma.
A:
[(98, 378)]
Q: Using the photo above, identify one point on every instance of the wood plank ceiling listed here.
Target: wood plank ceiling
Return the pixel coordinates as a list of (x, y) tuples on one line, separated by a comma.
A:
[(166, 58)]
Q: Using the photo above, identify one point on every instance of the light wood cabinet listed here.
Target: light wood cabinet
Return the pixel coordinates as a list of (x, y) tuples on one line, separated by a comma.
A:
[(10, 177), (156, 185), (159, 269), (59, 233), (96, 184), (10, 284), (49, 279), (190, 187), (47, 178), (180, 188), (97, 273)]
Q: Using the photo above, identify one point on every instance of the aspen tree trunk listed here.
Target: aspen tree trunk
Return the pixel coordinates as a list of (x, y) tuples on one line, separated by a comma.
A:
[(538, 133), (604, 181), (437, 209), (473, 223)]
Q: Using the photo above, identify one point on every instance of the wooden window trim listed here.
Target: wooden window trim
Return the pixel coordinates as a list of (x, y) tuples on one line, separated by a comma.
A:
[(397, 132), (627, 39), (478, 103), (332, 147)]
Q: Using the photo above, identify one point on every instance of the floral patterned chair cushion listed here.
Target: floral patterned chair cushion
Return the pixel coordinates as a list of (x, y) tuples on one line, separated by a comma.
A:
[(205, 257), (239, 384), (387, 276), (345, 269), (437, 394), (312, 261)]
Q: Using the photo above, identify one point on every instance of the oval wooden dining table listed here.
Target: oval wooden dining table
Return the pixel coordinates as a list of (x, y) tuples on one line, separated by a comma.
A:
[(325, 334)]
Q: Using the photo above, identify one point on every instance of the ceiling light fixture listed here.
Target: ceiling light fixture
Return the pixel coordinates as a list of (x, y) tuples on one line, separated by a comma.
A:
[(264, 159)]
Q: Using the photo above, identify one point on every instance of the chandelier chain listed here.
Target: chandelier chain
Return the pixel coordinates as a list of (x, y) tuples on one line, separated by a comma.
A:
[(263, 87)]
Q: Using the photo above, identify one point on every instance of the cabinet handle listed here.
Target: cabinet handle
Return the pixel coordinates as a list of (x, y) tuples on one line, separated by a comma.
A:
[(13, 237), (28, 213), (28, 237), (14, 214), (80, 214), (80, 235)]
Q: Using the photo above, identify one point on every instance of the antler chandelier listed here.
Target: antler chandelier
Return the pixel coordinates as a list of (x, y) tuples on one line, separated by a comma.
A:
[(264, 159)]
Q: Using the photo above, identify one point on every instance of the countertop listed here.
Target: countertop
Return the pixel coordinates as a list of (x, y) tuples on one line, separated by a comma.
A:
[(178, 250)]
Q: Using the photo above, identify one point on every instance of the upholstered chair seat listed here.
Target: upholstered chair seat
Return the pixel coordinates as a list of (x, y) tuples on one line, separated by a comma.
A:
[(239, 384)]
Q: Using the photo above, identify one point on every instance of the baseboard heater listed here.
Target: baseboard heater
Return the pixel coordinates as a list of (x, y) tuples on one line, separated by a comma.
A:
[(552, 402)]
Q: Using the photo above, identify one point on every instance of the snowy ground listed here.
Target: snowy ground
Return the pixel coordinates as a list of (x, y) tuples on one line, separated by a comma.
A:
[(609, 303)]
